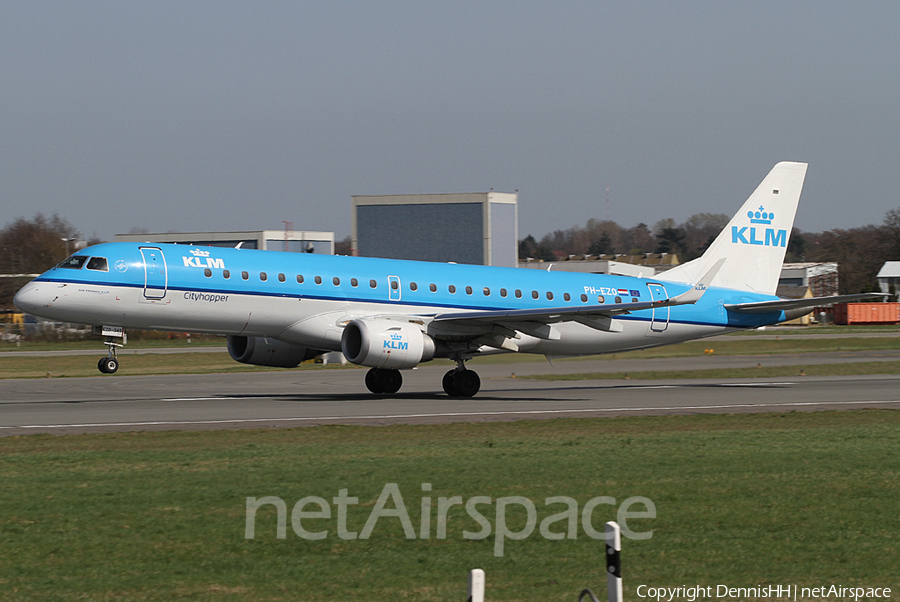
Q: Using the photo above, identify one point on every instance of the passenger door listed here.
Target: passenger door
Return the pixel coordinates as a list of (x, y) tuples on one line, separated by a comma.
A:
[(156, 277), (660, 319)]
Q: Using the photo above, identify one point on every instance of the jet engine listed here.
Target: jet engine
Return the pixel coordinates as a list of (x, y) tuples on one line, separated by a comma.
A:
[(263, 351), (385, 344)]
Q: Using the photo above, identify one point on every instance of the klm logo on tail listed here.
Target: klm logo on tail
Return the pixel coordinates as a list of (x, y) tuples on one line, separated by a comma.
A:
[(751, 235)]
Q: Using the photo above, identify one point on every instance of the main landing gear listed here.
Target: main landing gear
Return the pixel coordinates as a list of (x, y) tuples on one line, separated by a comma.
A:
[(383, 381), (458, 382), (461, 382)]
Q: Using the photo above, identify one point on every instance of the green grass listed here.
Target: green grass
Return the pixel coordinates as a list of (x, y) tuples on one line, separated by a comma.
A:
[(157, 341), (743, 500), (202, 363), (131, 365)]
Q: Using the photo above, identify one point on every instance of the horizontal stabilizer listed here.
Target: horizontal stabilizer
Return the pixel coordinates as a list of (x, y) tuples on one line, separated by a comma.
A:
[(789, 304)]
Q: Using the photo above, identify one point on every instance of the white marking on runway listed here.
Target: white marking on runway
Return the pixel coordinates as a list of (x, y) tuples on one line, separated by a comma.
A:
[(447, 414)]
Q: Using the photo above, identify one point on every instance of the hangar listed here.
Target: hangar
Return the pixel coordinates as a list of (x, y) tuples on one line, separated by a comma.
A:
[(476, 228)]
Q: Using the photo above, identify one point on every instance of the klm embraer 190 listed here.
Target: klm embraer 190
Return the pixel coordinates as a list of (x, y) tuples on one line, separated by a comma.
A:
[(279, 309)]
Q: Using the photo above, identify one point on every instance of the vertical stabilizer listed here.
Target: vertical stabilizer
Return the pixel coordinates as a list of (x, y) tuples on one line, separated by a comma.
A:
[(754, 242)]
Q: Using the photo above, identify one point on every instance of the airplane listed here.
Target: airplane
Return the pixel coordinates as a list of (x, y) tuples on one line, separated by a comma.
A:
[(280, 308)]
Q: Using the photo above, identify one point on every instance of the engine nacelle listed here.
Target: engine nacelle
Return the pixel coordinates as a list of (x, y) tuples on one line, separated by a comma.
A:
[(385, 344), (263, 351)]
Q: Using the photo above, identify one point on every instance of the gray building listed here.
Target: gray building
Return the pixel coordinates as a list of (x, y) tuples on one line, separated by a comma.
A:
[(273, 240), (475, 228), (889, 275)]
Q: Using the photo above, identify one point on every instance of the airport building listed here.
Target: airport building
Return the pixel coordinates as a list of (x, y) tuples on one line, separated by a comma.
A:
[(888, 276), (475, 228), (295, 241)]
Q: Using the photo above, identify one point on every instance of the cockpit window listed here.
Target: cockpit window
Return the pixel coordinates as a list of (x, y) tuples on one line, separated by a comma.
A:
[(75, 262), (98, 263)]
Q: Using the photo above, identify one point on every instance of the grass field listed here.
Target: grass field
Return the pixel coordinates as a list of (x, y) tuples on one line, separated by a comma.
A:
[(143, 364), (742, 500)]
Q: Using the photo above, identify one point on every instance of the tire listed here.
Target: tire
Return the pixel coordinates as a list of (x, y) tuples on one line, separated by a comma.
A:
[(391, 381), (449, 383), (374, 381), (467, 383), (108, 365)]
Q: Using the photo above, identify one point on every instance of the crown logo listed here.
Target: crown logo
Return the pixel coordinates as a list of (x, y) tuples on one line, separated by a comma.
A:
[(761, 216)]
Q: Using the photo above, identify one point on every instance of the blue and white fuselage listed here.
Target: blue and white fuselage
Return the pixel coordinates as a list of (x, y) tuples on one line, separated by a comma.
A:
[(307, 299)]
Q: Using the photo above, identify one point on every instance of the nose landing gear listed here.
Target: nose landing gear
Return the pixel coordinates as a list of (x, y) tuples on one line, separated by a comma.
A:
[(110, 363)]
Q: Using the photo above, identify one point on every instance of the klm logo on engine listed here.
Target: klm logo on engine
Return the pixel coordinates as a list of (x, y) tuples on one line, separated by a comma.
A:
[(396, 342), (754, 235)]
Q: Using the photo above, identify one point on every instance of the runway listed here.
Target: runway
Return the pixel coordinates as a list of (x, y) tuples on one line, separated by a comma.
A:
[(338, 396)]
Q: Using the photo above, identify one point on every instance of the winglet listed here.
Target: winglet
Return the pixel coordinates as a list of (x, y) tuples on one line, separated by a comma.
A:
[(694, 295)]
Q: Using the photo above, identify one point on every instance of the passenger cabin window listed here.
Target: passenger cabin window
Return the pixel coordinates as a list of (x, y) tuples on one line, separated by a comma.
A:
[(207, 272), (567, 296), (468, 290), (518, 294), (372, 284), (98, 263), (336, 281), (263, 276), (487, 292), (452, 289), (618, 299), (601, 299), (549, 296), (432, 288), (502, 292), (535, 294), (299, 279), (395, 285), (281, 278), (354, 282), (226, 274), (75, 262), (318, 280), (583, 298), (413, 286), (245, 275)]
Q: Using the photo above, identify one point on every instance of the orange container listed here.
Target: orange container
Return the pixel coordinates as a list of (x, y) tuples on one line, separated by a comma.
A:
[(867, 313)]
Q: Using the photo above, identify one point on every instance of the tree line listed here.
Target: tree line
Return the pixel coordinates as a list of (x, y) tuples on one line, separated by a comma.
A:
[(859, 252)]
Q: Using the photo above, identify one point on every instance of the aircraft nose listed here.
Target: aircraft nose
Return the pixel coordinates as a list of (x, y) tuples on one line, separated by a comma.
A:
[(29, 298)]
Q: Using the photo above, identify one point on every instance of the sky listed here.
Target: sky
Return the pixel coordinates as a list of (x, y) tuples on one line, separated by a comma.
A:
[(206, 116)]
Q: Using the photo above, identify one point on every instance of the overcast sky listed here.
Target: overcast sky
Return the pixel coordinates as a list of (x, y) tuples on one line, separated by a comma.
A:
[(184, 116)]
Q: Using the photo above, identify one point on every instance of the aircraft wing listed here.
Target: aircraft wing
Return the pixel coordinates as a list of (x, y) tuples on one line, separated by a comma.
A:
[(789, 304)]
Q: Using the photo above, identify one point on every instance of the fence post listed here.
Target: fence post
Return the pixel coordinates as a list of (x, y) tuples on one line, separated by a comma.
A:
[(613, 562), (476, 585)]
